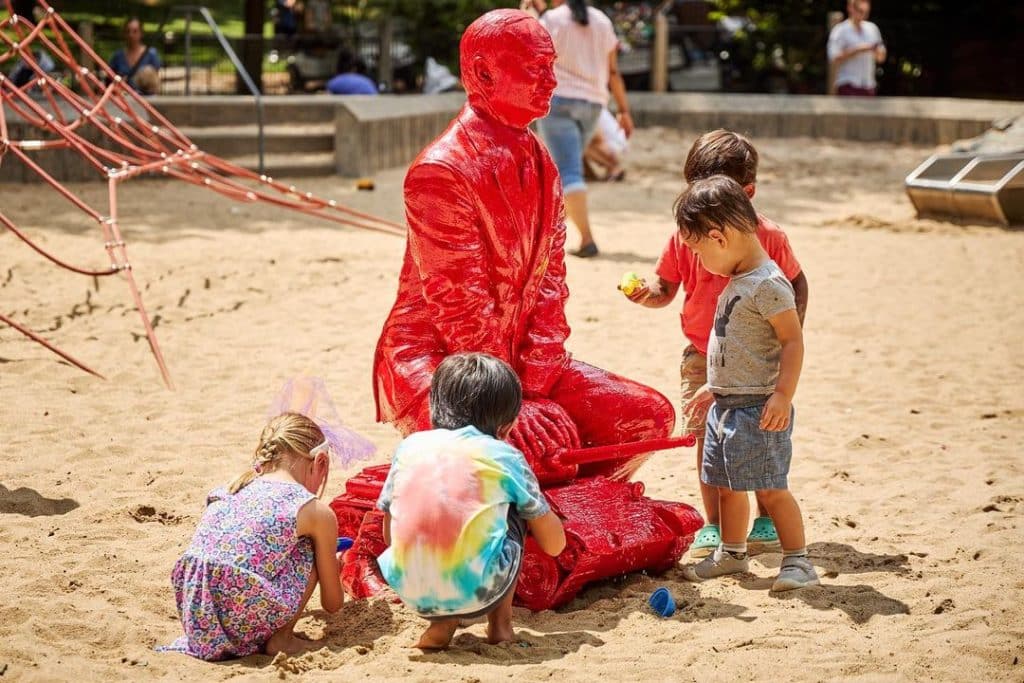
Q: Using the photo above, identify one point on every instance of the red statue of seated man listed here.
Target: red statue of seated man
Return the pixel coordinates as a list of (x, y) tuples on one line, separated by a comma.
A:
[(484, 266)]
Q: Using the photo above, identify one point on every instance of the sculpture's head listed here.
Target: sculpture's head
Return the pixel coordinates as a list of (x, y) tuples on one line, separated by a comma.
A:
[(507, 61)]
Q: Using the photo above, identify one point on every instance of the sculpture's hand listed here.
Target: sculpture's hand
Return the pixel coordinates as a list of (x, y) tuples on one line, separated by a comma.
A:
[(542, 431)]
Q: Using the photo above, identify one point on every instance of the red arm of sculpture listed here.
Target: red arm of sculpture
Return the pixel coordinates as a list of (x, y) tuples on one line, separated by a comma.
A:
[(542, 356), (445, 245)]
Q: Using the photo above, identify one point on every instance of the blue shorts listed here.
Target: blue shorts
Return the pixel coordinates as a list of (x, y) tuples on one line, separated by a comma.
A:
[(566, 130), (740, 456)]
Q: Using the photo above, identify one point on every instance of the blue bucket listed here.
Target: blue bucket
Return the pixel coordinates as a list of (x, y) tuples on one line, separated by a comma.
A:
[(662, 602)]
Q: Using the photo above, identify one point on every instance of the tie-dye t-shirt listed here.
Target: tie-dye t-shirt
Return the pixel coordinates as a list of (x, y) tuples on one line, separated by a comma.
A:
[(448, 493)]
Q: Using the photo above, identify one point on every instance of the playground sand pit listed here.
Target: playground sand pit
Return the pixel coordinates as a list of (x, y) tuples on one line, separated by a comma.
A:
[(907, 444)]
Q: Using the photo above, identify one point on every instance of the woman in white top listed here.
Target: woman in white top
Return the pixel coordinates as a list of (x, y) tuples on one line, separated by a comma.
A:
[(586, 68)]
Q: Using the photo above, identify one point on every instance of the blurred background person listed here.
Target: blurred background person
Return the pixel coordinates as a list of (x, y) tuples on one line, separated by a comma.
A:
[(855, 47), (22, 73), (603, 159), (136, 62), (533, 7), (438, 78), (350, 76), (587, 66), (316, 16), (286, 18)]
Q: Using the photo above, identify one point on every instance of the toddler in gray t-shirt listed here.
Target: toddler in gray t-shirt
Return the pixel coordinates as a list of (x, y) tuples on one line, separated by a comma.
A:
[(755, 352), (743, 349)]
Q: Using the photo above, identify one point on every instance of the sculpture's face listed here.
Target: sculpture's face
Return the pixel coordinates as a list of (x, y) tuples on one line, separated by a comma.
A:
[(524, 74), (512, 69)]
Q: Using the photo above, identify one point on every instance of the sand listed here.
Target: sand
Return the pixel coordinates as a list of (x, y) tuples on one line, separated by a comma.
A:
[(907, 443)]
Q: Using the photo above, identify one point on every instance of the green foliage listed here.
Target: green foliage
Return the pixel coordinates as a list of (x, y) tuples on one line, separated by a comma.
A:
[(784, 46), (431, 28), (109, 15), (164, 27), (434, 26), (936, 47)]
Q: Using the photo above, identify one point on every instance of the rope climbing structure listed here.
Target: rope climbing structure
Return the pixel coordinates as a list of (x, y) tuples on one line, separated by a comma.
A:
[(94, 114)]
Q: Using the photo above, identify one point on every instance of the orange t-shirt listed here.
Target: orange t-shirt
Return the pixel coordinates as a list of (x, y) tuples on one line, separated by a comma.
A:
[(679, 264)]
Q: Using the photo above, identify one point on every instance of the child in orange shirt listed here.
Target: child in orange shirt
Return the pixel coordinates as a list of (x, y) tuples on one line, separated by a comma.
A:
[(720, 152)]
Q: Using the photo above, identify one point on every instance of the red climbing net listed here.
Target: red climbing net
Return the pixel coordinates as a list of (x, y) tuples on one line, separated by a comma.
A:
[(97, 116)]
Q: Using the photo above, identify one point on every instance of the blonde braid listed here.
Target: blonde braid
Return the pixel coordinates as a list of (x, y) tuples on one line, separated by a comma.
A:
[(267, 451), (286, 433)]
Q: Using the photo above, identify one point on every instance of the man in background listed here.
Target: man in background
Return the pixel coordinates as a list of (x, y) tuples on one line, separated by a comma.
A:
[(854, 48)]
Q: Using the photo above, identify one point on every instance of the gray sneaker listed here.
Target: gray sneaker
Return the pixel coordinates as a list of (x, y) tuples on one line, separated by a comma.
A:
[(718, 563), (796, 572)]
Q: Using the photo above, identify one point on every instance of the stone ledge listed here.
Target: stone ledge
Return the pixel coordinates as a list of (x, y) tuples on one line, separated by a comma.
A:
[(925, 121), (374, 133)]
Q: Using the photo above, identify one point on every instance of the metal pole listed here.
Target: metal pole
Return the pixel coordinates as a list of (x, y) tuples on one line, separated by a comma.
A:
[(259, 128), (385, 68), (188, 52), (39, 340), (243, 74)]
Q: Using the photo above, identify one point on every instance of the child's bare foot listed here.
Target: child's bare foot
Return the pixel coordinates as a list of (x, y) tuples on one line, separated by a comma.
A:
[(438, 635), (286, 642), (500, 633), (499, 621)]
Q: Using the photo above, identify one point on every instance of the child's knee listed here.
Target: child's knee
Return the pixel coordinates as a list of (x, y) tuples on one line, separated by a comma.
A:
[(769, 496)]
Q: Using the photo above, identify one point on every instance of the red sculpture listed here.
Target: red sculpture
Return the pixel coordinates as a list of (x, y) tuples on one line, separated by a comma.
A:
[(484, 264), (484, 270)]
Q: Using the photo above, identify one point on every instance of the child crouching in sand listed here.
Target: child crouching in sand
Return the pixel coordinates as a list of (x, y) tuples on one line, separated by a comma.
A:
[(262, 545), (755, 352), (457, 502)]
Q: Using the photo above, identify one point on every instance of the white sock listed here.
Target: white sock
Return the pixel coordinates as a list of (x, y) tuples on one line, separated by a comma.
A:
[(737, 550)]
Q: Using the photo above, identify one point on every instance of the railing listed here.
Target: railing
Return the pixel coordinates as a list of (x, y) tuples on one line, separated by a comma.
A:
[(240, 69)]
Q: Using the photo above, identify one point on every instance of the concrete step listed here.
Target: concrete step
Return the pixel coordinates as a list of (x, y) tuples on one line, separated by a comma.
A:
[(230, 141), (289, 165)]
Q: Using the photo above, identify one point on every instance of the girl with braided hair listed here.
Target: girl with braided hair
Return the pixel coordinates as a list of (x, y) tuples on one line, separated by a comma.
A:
[(262, 545)]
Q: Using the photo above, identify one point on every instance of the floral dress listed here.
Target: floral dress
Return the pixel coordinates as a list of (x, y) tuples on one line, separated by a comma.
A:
[(245, 573)]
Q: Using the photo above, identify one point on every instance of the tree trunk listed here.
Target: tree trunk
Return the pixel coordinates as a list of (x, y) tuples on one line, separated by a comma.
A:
[(831, 20), (659, 54), (252, 45)]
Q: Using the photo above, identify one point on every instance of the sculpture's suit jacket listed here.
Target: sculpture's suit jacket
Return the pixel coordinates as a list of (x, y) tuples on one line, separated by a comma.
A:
[(484, 266)]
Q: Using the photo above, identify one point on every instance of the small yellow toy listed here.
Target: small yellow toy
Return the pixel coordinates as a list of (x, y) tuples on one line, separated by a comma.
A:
[(630, 283)]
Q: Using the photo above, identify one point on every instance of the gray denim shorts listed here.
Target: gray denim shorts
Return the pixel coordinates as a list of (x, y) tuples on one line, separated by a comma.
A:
[(740, 456)]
